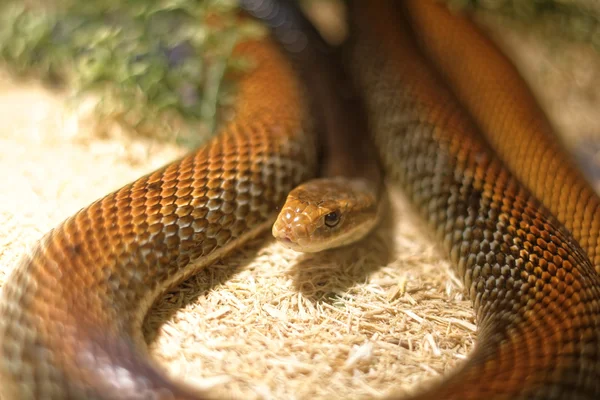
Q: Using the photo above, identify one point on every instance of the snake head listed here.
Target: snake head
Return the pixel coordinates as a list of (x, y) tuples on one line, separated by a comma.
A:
[(327, 213)]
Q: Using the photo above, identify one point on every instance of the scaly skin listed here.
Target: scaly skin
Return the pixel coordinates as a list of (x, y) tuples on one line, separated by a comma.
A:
[(502, 105), (71, 313), (535, 292)]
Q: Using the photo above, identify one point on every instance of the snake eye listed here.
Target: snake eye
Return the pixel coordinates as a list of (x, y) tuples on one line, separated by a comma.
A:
[(332, 219)]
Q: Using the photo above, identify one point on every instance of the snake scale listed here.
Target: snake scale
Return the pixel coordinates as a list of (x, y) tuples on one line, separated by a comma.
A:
[(71, 311)]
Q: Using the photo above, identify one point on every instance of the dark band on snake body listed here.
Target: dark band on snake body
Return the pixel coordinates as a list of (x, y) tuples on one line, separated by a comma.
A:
[(343, 131), (535, 292), (485, 81)]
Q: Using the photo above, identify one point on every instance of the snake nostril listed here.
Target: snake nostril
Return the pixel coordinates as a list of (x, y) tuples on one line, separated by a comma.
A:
[(283, 233), (288, 235)]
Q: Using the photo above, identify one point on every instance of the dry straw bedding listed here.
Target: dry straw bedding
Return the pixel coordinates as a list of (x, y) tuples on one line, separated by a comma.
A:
[(267, 322)]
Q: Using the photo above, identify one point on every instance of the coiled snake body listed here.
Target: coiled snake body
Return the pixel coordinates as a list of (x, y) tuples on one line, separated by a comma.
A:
[(71, 311)]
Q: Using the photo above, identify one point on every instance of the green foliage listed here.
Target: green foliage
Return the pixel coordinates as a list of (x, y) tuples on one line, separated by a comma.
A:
[(150, 61), (158, 65)]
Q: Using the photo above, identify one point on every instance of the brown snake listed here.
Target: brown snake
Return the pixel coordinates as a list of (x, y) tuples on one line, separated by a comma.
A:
[(72, 310), (70, 314)]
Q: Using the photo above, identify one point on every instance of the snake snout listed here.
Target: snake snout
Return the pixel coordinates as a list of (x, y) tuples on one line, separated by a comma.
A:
[(290, 235), (285, 237), (282, 232)]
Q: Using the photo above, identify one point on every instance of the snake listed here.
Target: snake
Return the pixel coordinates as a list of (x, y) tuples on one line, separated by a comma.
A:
[(71, 312), (344, 204), (518, 222)]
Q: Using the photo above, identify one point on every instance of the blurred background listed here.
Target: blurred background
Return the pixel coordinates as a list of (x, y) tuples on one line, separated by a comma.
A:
[(157, 67)]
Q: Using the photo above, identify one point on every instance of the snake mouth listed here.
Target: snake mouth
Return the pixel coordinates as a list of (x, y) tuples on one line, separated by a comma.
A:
[(288, 236), (285, 240), (290, 244), (283, 236)]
